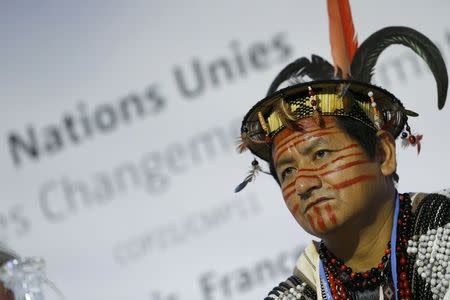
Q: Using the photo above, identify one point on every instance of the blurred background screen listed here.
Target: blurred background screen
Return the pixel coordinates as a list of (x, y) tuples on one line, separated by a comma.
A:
[(118, 129)]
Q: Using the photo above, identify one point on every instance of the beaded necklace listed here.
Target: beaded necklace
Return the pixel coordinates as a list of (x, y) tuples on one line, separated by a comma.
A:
[(340, 281)]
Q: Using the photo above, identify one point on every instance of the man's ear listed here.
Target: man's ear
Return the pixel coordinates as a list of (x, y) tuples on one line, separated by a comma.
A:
[(386, 153)]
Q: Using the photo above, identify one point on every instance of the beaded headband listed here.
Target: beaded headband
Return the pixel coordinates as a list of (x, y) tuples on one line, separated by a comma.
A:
[(343, 90), (316, 99)]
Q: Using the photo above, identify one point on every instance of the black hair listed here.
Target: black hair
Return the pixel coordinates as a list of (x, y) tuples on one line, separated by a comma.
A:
[(364, 135)]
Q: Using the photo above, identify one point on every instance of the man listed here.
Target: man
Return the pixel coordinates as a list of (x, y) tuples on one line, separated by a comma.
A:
[(329, 139)]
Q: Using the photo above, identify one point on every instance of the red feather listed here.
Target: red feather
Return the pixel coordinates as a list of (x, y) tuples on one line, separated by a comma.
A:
[(342, 35)]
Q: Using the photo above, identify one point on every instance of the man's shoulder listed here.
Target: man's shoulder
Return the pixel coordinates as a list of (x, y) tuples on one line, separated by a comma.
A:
[(292, 288), (430, 210), (421, 201), (302, 284), (428, 246)]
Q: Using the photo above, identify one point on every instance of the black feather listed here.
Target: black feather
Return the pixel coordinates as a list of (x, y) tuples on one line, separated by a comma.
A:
[(367, 54), (287, 73), (316, 69), (410, 113), (320, 68), (241, 186), (247, 179)]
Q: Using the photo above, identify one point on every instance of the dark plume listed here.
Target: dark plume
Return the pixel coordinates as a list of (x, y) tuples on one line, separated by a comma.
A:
[(316, 69), (366, 56)]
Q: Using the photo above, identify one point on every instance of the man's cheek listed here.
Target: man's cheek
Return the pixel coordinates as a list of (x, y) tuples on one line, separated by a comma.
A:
[(294, 209), (311, 222), (331, 214), (288, 191), (351, 175)]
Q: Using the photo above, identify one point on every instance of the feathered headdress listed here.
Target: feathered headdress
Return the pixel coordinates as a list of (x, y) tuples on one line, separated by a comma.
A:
[(342, 89)]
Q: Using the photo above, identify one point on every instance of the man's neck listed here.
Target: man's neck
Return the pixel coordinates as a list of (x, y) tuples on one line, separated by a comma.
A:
[(363, 249)]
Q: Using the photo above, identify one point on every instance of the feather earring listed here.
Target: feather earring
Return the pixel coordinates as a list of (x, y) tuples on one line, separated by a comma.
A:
[(417, 142), (409, 139), (255, 169), (413, 140)]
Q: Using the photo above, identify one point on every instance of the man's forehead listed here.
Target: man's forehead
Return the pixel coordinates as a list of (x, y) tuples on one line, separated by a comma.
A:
[(309, 127), (305, 140)]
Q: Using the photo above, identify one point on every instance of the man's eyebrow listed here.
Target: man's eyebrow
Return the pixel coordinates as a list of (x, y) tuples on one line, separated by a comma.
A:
[(288, 159), (283, 161), (316, 142)]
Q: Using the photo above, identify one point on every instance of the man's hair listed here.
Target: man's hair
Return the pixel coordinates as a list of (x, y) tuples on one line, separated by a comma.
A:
[(365, 136)]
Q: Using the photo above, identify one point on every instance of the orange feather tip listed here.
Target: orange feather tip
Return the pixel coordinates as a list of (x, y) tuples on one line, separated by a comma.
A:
[(342, 35)]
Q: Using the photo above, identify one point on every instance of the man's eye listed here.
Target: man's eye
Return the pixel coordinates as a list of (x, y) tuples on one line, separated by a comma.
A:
[(321, 154), (287, 172)]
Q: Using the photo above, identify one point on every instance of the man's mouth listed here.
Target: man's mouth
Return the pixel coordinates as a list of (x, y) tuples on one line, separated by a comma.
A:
[(315, 202)]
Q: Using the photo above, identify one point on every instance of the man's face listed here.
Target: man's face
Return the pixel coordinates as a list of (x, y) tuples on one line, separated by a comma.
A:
[(326, 177)]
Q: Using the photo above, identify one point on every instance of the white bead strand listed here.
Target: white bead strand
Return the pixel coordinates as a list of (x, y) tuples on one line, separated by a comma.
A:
[(432, 252)]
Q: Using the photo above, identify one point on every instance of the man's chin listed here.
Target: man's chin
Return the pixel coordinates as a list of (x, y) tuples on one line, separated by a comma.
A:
[(328, 229)]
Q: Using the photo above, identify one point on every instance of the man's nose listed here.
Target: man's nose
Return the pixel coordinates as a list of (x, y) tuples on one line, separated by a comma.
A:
[(306, 184)]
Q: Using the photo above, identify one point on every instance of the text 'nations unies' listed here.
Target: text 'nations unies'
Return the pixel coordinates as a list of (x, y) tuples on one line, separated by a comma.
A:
[(83, 122)]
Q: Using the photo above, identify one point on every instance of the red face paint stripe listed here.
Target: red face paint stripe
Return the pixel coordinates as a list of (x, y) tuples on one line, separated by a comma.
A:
[(348, 147), (292, 184), (287, 189), (337, 169), (281, 150), (296, 141), (301, 134), (336, 159), (353, 181), (331, 214), (345, 156), (346, 166), (289, 194), (295, 209), (311, 222), (336, 186), (340, 168), (320, 221), (288, 186), (331, 162)]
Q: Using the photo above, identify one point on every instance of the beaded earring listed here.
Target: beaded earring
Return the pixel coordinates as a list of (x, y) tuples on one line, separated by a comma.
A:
[(255, 169), (409, 139)]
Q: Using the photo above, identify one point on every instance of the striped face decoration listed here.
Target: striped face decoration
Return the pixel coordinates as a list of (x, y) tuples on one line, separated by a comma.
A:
[(326, 177)]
